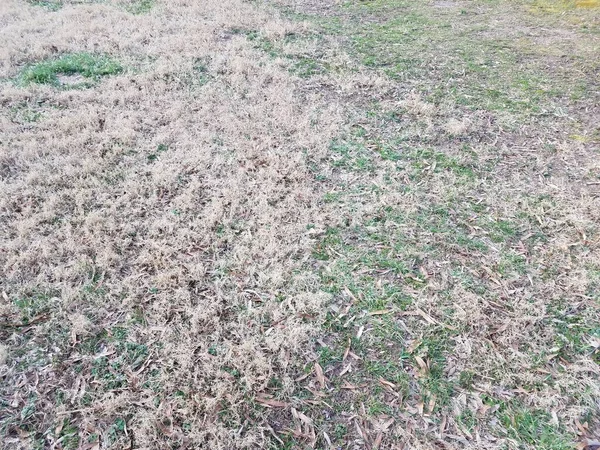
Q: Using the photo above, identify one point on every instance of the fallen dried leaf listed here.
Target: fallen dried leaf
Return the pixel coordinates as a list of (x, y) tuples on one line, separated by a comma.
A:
[(582, 427), (378, 440), (360, 332), (386, 382), (354, 355), (269, 402), (350, 294), (350, 386), (302, 377), (380, 312), (327, 439), (347, 350), (431, 404), (303, 417), (413, 345), (442, 426), (424, 368), (346, 369), (319, 374)]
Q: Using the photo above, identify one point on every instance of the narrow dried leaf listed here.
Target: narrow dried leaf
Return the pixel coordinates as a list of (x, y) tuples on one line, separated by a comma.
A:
[(350, 294), (320, 375), (316, 393), (385, 382), (414, 345), (386, 425), (378, 439), (380, 312), (466, 432), (422, 365), (269, 402), (346, 351), (442, 426), (302, 377), (360, 332), (346, 369), (426, 317), (431, 404), (582, 427), (301, 416), (327, 439), (272, 431), (354, 355)]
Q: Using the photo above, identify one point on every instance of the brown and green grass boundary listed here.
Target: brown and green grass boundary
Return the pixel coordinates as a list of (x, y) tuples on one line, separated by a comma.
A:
[(329, 225)]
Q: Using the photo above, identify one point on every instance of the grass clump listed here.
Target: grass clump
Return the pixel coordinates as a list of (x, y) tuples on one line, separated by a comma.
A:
[(87, 65), (140, 6), (51, 5), (535, 428)]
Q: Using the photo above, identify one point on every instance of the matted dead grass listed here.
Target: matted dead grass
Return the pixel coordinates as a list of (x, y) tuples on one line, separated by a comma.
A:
[(154, 228)]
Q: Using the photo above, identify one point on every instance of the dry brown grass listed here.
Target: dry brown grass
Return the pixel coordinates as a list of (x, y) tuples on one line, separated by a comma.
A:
[(173, 208), (218, 248)]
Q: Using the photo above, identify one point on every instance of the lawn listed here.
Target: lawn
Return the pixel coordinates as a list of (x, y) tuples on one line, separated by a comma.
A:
[(317, 224)]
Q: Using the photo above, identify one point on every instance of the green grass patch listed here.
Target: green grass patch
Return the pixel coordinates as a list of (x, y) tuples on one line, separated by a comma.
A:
[(25, 113), (140, 6), (51, 5), (87, 65), (472, 63), (304, 65), (534, 428)]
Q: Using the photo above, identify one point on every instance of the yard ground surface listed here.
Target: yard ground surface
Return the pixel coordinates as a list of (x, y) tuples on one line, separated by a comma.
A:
[(299, 224)]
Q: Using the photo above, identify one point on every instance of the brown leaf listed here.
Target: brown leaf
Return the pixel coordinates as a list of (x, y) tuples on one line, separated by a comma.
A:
[(319, 374), (346, 351), (431, 404), (362, 433), (37, 319), (413, 345), (422, 364), (346, 369), (386, 425), (302, 377), (386, 382), (355, 356), (466, 432), (442, 426), (303, 417), (269, 402), (360, 332), (380, 312), (316, 393), (417, 279), (91, 446), (378, 440), (350, 294), (426, 317), (582, 427)]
